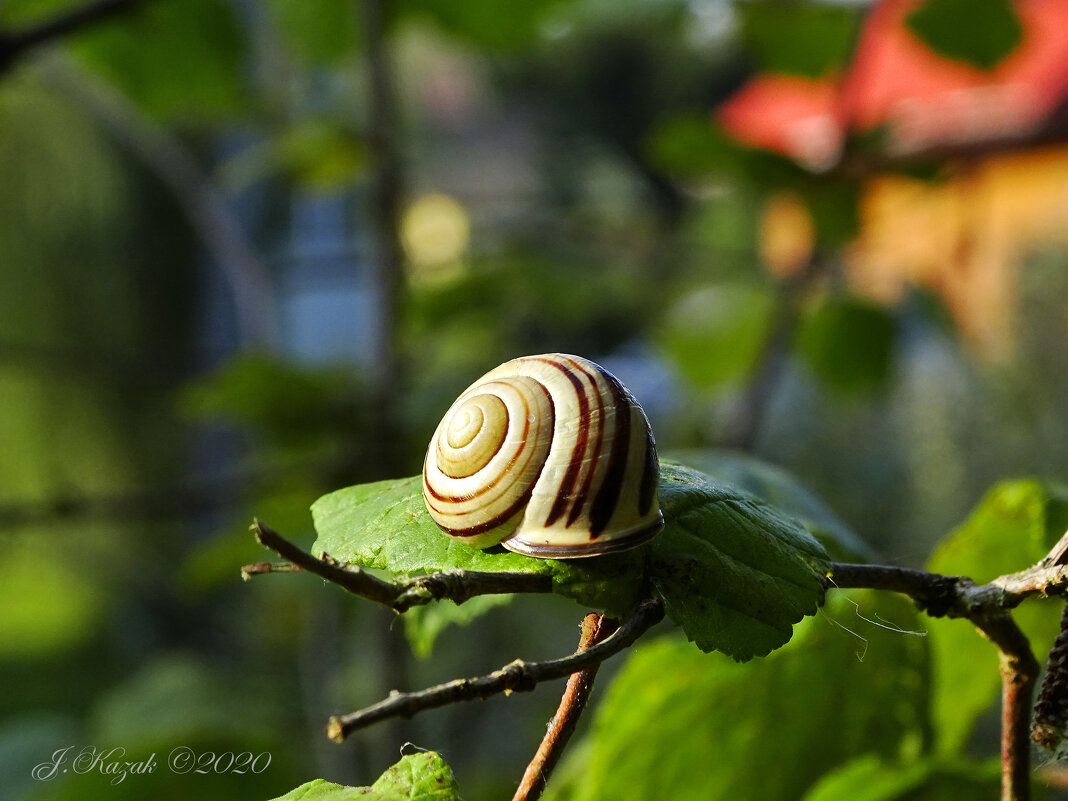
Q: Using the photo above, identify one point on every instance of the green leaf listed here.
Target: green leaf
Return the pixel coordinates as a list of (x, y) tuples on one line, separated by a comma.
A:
[(481, 23), (320, 33), (734, 573), (423, 624), (674, 719), (778, 488), (1013, 528), (690, 145), (977, 32), (417, 777), (320, 155), (385, 525), (849, 344), (808, 39), (870, 778), (715, 334), (178, 60), (46, 605)]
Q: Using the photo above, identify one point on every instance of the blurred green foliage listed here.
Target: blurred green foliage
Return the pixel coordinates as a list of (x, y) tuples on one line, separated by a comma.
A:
[(993, 32), (139, 434)]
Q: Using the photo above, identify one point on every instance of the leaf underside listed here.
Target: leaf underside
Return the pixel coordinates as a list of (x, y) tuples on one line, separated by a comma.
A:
[(734, 573)]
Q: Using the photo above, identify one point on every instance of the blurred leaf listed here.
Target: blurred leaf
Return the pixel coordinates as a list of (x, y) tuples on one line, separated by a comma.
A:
[(480, 23), (319, 33), (46, 605), (1011, 529), (690, 145), (734, 573), (179, 60), (977, 32), (423, 624), (316, 154), (177, 699), (809, 39), (873, 779), (285, 403), (765, 730), (848, 343), (784, 492), (417, 777), (835, 208), (715, 334)]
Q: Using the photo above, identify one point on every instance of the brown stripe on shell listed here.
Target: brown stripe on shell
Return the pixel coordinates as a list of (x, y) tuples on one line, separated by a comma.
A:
[(604, 503), (567, 485), (593, 447)]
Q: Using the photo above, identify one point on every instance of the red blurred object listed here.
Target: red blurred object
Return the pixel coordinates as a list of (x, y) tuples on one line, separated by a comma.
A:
[(925, 101)]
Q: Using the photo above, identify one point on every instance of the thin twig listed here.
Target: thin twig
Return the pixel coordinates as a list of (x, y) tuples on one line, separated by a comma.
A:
[(261, 568), (18, 43), (595, 628), (517, 676), (403, 593), (1019, 669)]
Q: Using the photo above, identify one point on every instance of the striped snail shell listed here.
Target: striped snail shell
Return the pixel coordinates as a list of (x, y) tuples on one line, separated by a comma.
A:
[(548, 455)]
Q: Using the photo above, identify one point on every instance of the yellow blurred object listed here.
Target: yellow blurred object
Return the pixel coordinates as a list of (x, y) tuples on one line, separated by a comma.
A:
[(962, 237), (435, 232), (787, 234)]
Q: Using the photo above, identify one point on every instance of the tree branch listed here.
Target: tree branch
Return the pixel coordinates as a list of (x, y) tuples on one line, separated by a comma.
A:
[(595, 628), (954, 596), (517, 676), (403, 593), (18, 43)]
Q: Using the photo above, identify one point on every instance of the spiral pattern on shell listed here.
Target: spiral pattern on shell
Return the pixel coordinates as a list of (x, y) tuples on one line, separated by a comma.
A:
[(549, 455)]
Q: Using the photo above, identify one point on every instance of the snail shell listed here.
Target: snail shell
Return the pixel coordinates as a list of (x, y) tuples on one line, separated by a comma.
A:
[(548, 455)]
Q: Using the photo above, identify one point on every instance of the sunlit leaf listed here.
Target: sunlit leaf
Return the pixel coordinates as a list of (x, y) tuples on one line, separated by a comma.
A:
[(386, 525), (417, 777), (977, 32), (1012, 528), (734, 573), (674, 719), (785, 492)]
